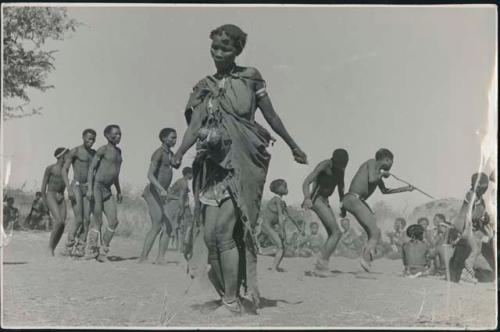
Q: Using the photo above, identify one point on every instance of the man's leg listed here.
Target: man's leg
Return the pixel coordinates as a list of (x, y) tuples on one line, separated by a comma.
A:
[(367, 220), (111, 216), (327, 217), (277, 241), (74, 226), (95, 225)]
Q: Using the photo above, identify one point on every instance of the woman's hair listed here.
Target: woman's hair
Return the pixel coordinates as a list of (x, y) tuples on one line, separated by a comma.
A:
[(187, 170), (415, 232), (165, 132), (237, 36), (275, 184), (423, 219), (440, 216)]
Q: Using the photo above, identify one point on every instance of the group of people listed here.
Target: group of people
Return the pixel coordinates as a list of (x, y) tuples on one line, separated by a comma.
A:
[(228, 177), (95, 172)]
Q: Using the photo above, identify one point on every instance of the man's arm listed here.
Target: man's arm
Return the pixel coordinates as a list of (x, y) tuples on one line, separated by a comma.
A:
[(65, 171), (311, 178), (340, 188), (92, 169), (386, 191)]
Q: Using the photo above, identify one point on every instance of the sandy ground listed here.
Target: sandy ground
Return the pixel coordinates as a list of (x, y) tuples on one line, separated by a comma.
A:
[(42, 291)]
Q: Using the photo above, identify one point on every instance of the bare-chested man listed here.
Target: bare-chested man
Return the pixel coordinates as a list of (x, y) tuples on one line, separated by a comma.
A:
[(103, 173), (328, 175), (53, 194), (367, 179), (80, 158)]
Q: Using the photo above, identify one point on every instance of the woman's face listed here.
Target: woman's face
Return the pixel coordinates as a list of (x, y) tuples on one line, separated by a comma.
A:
[(223, 51)]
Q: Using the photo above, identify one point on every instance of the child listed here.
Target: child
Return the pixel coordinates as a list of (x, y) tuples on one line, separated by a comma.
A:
[(328, 175), (396, 239), (350, 242), (10, 214), (53, 194), (441, 238), (315, 241), (416, 252), (276, 213), (424, 222), (37, 212), (366, 180), (155, 193), (104, 172), (80, 158), (178, 201)]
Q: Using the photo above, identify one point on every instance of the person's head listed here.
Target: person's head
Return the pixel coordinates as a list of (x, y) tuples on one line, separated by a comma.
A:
[(314, 227), (399, 224), (38, 194), (385, 158), (340, 158), (345, 223), (168, 137), (88, 136), (479, 183), (438, 218), (278, 187), (415, 232), (228, 42), (113, 134), (187, 172), (424, 222), (10, 201), (59, 153)]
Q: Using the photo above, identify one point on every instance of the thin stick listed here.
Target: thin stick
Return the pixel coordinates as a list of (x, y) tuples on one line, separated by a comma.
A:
[(417, 189)]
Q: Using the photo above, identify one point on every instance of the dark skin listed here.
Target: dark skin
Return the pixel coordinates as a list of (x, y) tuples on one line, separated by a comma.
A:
[(222, 219)]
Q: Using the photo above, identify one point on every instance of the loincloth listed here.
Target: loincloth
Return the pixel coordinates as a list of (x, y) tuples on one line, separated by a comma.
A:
[(59, 195), (105, 191), (77, 186), (322, 199), (351, 195)]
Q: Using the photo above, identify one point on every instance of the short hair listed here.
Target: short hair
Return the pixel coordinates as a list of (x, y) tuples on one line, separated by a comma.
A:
[(10, 199), (402, 220), (313, 224), (415, 232), (383, 153), (440, 216), (187, 170), (89, 131), (165, 132), (108, 128), (38, 193), (482, 178), (275, 184), (235, 34), (340, 157), (58, 151), (422, 219)]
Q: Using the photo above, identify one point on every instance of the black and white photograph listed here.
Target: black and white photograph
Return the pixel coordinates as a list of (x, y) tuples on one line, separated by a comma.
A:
[(189, 166)]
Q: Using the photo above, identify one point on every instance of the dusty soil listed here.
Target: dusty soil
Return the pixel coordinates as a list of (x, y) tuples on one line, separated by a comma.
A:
[(42, 291)]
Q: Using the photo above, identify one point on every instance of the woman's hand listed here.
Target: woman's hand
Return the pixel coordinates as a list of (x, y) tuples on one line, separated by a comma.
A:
[(299, 155)]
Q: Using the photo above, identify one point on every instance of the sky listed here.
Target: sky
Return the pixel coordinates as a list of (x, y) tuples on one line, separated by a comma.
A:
[(414, 80)]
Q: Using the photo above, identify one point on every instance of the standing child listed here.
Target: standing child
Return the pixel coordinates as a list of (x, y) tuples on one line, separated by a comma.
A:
[(53, 194), (104, 172), (178, 202), (416, 253), (80, 158), (366, 180), (276, 213), (155, 194)]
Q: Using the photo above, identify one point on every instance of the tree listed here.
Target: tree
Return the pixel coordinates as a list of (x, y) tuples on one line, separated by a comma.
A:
[(25, 63)]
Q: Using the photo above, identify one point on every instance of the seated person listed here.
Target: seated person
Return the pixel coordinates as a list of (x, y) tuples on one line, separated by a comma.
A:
[(396, 239), (350, 244), (313, 242), (416, 253), (10, 215)]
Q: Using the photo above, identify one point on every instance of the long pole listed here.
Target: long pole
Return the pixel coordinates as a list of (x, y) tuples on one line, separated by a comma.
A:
[(417, 189)]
